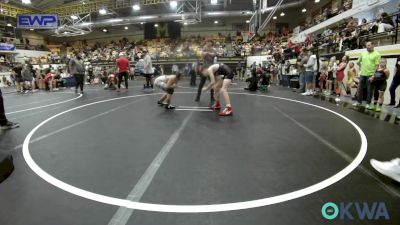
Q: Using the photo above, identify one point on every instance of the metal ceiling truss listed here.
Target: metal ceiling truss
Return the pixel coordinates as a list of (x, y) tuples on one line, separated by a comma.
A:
[(190, 11), (81, 25), (82, 7), (264, 24), (12, 11)]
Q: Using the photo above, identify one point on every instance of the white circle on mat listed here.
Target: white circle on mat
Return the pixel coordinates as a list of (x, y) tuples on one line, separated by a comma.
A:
[(195, 208)]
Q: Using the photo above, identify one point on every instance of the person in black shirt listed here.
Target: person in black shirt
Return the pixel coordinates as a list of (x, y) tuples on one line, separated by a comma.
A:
[(209, 55), (395, 84), (4, 123), (252, 81), (18, 78)]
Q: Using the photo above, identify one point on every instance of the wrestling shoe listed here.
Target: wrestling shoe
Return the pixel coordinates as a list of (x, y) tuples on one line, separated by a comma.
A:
[(227, 112), (160, 103), (216, 106), (169, 107)]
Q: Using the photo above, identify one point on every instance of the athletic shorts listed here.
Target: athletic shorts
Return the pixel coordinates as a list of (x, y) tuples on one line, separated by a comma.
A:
[(309, 77), (230, 76), (159, 83), (147, 75), (380, 85)]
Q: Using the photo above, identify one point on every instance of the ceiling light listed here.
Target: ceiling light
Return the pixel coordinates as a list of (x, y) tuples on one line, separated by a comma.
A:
[(214, 2), (9, 25), (274, 17), (214, 13), (216, 22), (116, 20), (185, 23), (247, 21), (156, 25), (146, 17), (304, 10), (26, 1), (136, 7), (86, 24), (142, 23), (82, 32), (103, 11), (31, 29), (104, 30), (1, 10), (282, 14), (126, 28), (173, 4), (66, 32), (316, 1), (74, 17)]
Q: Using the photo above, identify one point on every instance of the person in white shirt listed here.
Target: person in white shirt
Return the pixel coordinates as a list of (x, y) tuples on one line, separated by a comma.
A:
[(148, 70), (310, 70)]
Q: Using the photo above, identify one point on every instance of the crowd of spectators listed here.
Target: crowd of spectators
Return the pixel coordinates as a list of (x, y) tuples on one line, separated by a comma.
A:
[(350, 34)]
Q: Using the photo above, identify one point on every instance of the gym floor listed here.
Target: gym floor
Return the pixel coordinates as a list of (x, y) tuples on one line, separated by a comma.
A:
[(122, 145)]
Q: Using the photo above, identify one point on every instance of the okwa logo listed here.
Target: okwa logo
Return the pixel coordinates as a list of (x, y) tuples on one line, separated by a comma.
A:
[(355, 210)]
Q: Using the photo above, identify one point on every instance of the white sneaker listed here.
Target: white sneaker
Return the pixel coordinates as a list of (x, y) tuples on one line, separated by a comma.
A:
[(356, 104), (305, 93), (390, 169), (337, 99)]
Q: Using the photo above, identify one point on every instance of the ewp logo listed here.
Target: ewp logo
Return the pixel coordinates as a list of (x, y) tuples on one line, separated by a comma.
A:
[(346, 211), (37, 21)]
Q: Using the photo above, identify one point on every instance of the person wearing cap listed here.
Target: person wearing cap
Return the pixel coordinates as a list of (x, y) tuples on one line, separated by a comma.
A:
[(122, 65)]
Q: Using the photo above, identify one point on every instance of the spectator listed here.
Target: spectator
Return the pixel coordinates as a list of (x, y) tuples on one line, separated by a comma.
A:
[(252, 81), (175, 69), (385, 23), (340, 76), (186, 70), (301, 62), (379, 84), (18, 78), (239, 70), (332, 66), (122, 66), (148, 70), (323, 77), (27, 76), (351, 74), (77, 69), (368, 63), (48, 80), (4, 123), (309, 74), (395, 84)]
